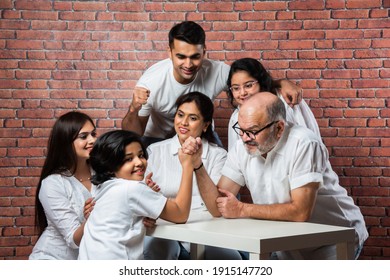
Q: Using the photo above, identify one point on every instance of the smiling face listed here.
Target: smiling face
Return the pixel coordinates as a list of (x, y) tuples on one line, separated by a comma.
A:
[(134, 165), (187, 60), (189, 121), (83, 144), (243, 86)]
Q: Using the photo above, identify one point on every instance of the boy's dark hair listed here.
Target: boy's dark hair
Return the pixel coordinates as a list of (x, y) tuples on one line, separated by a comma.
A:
[(255, 69), (108, 153), (189, 32)]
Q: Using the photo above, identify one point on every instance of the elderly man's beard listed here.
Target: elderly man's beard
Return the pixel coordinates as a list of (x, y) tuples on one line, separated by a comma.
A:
[(268, 145)]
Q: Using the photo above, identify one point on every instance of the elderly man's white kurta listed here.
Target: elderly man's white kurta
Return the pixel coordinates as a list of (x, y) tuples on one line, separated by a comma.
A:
[(299, 158)]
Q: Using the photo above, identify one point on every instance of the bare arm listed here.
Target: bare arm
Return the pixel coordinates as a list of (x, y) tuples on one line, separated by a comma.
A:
[(132, 121), (291, 92), (177, 210), (299, 209), (209, 191), (78, 234)]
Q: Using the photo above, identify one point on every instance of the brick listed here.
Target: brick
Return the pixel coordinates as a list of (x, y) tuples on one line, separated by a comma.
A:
[(348, 24), (353, 4), (64, 84), (31, 15), (370, 74), (37, 84), (33, 34), (361, 112), (371, 53), (303, 15), (308, 4), (370, 132), (307, 34), (70, 75), (92, 58), (352, 44), (370, 191), (63, 55), (371, 161), (353, 14), (8, 172), (6, 222), (376, 103), (308, 64), (320, 24), (372, 211), (14, 25), (383, 152), (6, 4), (342, 54), (32, 74), (334, 84), (355, 122), (345, 151), (373, 34), (377, 23)]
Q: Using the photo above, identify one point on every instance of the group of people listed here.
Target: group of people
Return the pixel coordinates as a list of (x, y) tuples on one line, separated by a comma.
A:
[(96, 196)]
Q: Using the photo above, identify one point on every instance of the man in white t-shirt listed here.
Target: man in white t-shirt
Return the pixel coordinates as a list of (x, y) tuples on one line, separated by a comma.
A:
[(152, 109), (287, 170)]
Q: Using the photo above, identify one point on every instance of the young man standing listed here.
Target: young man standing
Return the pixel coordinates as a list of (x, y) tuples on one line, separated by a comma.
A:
[(152, 109)]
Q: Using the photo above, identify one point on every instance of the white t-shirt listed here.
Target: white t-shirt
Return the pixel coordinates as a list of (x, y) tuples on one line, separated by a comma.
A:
[(299, 158), (114, 230), (164, 162), (300, 114), (164, 90), (63, 200)]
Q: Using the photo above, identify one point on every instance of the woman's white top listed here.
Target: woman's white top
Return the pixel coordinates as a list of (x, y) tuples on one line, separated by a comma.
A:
[(114, 230), (300, 114), (63, 200)]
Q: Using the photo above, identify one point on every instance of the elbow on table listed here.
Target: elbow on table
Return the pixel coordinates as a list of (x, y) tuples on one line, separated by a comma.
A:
[(216, 214), (302, 217), (181, 220)]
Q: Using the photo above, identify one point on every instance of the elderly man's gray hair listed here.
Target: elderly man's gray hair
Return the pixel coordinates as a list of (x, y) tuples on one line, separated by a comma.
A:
[(276, 111)]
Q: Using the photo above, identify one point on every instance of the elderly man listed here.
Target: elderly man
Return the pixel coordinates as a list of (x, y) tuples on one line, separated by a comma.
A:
[(287, 170)]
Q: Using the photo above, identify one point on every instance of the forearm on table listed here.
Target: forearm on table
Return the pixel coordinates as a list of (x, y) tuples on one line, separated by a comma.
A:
[(208, 191), (177, 210), (184, 195), (279, 212)]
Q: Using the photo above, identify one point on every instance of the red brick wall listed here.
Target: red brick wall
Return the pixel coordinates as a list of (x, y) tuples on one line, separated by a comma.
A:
[(57, 56)]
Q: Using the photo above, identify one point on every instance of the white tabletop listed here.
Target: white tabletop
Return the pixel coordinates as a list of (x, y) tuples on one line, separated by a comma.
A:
[(258, 237)]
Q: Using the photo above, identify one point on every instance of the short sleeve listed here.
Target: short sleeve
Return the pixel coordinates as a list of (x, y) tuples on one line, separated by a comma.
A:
[(216, 164), (309, 165), (145, 202), (232, 169)]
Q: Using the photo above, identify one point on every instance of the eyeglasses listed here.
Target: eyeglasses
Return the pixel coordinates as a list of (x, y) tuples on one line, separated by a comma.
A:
[(246, 86), (249, 133)]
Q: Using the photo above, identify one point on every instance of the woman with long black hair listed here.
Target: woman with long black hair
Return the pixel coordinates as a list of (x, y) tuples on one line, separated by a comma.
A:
[(64, 188)]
